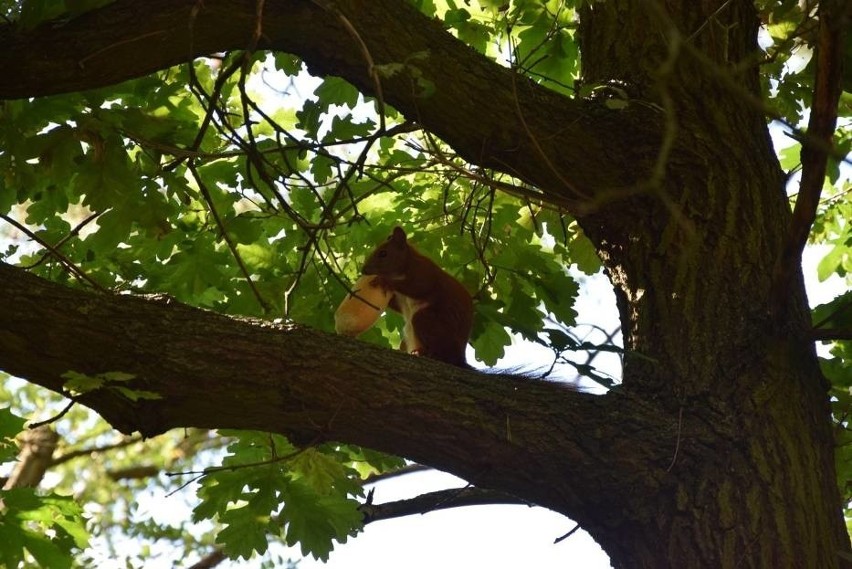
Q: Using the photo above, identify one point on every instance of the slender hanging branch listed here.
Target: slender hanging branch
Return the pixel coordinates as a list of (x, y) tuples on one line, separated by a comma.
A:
[(231, 245), (64, 261)]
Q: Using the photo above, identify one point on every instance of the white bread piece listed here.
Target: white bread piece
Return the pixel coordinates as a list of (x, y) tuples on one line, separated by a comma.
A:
[(360, 309)]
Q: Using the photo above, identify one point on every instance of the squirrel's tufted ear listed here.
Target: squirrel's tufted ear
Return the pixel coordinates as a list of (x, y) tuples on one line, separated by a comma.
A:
[(397, 235)]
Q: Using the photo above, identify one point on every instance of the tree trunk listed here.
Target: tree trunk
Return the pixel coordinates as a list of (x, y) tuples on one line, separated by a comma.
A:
[(693, 260)]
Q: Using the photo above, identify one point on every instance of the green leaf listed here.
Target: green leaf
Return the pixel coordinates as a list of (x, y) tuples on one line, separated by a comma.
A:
[(456, 16), (309, 118), (136, 394), (314, 522), (45, 552), (116, 376), (216, 491), (489, 342), (368, 462), (324, 473), (561, 341), (344, 128), (288, 63), (49, 527), (790, 157), (836, 314), (336, 91), (837, 261), (76, 382), (245, 532), (81, 383), (10, 426), (12, 538), (582, 253)]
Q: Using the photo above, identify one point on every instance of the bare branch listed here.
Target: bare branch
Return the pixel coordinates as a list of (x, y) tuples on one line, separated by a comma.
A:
[(37, 446), (407, 469), (823, 119), (828, 334), (434, 501), (71, 455), (210, 560), (53, 419)]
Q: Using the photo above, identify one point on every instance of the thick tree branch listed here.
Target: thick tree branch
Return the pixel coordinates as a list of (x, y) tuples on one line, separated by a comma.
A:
[(37, 447), (521, 128), (828, 334), (217, 372), (828, 57)]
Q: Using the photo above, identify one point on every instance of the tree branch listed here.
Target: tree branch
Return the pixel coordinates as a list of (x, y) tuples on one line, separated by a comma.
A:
[(37, 447), (407, 469), (527, 126), (213, 371), (827, 334), (88, 451), (210, 560), (828, 57), (434, 501)]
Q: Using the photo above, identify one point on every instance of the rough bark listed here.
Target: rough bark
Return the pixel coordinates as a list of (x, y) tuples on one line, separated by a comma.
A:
[(692, 262), (716, 452)]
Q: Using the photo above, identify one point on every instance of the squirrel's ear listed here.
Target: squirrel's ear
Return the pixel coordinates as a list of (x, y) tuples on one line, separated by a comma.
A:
[(398, 235)]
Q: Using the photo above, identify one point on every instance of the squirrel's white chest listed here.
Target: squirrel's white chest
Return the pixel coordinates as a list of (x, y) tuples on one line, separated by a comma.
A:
[(409, 307)]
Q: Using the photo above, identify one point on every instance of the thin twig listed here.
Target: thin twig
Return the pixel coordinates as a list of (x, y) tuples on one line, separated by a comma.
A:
[(534, 140), (224, 232), (53, 419), (567, 535), (62, 259), (73, 233), (372, 70), (677, 443), (88, 451)]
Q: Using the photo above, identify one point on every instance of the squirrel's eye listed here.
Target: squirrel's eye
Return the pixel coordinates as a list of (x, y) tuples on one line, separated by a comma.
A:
[(383, 253)]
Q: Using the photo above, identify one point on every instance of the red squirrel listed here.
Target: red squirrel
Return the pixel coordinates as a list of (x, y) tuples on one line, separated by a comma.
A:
[(438, 310)]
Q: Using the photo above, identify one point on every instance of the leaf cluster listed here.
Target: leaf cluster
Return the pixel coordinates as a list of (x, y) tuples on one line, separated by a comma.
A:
[(267, 488), (42, 526)]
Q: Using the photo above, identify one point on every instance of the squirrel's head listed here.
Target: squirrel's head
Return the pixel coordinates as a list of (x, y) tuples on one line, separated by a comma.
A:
[(391, 257)]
